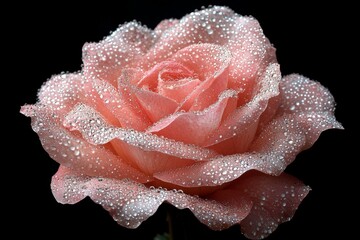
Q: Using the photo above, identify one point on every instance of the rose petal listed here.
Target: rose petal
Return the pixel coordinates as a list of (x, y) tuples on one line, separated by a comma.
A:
[(149, 162), (313, 124), (309, 104), (241, 125), (178, 90), (214, 172), (270, 111), (275, 201), (239, 143), (288, 135), (106, 59), (152, 77), (300, 94), (206, 26), (251, 54), (210, 63), (165, 25), (121, 105), (131, 203), (95, 130), (153, 105), (72, 151), (194, 127), (251, 51), (62, 92)]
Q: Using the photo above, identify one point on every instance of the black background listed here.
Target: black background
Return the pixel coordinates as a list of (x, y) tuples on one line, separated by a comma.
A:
[(317, 41)]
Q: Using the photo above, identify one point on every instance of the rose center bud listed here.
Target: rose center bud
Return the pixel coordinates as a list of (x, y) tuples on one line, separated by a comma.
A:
[(170, 79)]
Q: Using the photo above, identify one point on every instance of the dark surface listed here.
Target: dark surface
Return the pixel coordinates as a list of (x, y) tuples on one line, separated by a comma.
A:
[(313, 41)]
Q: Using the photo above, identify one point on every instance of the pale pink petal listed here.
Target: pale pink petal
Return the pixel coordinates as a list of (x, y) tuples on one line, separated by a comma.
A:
[(216, 25), (106, 59), (73, 151), (95, 130), (288, 135), (131, 76), (148, 162), (251, 51), (210, 64), (240, 126), (314, 123), (287, 138), (300, 94), (206, 26), (275, 200), (62, 92), (178, 90), (166, 70), (60, 186), (230, 107), (148, 106), (155, 105), (131, 203), (165, 25), (232, 197), (194, 127), (215, 172), (143, 102), (304, 103), (270, 111), (128, 113), (251, 54), (205, 60), (239, 143)]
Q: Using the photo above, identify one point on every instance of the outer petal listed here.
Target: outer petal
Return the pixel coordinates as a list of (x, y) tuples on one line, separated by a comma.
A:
[(258, 202), (197, 27), (216, 25), (74, 152), (93, 128), (131, 203), (270, 112), (251, 51), (106, 59), (274, 149), (62, 92), (149, 162), (165, 25), (310, 104), (300, 94), (275, 200)]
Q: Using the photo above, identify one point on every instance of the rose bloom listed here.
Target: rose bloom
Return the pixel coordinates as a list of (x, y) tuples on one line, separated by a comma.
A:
[(194, 113)]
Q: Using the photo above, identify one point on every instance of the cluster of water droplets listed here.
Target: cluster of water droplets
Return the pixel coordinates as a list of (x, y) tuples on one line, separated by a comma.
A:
[(131, 203), (97, 131)]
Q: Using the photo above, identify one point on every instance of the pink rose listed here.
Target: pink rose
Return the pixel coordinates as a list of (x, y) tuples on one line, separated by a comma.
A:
[(194, 113)]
